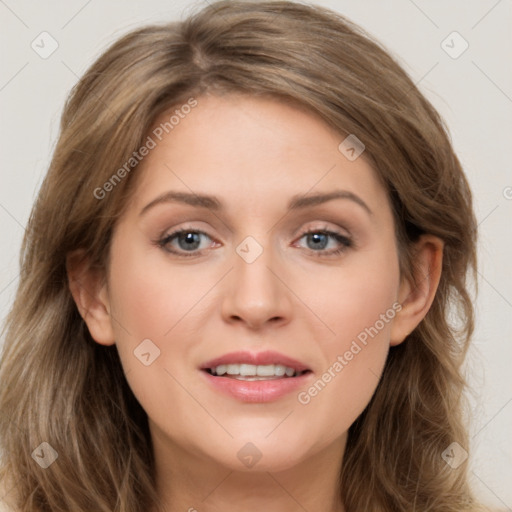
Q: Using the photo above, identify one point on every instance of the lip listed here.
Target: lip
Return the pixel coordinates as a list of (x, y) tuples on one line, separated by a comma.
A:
[(258, 391), (256, 358)]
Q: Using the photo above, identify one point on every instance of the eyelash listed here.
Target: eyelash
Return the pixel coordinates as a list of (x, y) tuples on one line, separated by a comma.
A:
[(345, 242)]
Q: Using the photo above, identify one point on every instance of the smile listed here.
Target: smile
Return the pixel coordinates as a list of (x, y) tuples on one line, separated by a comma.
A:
[(252, 372), (255, 377)]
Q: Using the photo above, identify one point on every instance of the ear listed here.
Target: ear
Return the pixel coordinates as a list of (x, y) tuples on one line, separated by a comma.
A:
[(89, 290), (417, 294)]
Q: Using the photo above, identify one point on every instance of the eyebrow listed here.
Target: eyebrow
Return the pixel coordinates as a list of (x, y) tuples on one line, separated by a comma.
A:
[(297, 202)]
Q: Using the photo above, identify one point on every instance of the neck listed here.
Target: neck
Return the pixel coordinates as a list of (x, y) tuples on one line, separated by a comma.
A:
[(194, 482)]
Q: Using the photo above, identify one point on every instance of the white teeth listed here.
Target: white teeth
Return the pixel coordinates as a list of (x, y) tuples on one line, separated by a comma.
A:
[(250, 370), (247, 369), (233, 369), (280, 370), (221, 369), (267, 370)]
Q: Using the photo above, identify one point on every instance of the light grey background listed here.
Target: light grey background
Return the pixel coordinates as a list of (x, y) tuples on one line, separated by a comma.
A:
[(473, 92)]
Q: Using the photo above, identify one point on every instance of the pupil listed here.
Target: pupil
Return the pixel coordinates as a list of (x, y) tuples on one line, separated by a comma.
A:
[(316, 238), (190, 238)]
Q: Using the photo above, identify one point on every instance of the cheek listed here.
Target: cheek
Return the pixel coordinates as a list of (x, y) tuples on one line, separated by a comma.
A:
[(146, 304), (150, 307), (358, 304), (147, 299), (357, 296)]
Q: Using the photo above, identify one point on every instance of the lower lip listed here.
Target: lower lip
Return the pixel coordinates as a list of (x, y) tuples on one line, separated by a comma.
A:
[(257, 391)]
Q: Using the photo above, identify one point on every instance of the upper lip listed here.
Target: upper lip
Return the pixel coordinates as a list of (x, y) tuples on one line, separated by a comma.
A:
[(255, 358)]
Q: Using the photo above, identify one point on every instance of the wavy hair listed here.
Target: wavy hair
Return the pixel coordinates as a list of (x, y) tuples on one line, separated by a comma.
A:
[(59, 386)]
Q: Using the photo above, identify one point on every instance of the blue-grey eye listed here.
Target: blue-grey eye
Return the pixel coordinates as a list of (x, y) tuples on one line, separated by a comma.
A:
[(187, 240), (319, 240)]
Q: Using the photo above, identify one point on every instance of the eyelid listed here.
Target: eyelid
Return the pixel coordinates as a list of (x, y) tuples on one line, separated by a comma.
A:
[(346, 240), (163, 240), (325, 226)]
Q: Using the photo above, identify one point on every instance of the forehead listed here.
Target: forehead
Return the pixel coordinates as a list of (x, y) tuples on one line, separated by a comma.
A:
[(250, 150)]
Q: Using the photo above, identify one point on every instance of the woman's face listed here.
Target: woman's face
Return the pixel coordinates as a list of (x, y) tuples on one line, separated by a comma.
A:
[(245, 278)]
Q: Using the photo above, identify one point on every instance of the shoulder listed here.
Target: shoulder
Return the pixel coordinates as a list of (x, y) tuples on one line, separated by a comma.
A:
[(4, 507), (6, 497)]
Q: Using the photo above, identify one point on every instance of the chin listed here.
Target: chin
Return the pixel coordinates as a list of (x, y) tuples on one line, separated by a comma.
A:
[(259, 454)]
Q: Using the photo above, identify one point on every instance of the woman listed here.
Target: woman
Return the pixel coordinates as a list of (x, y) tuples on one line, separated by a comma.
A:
[(236, 280)]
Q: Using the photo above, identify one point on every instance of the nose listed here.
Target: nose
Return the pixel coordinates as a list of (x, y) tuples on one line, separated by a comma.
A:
[(256, 294)]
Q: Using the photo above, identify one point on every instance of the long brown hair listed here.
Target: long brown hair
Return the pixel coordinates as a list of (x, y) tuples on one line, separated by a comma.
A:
[(62, 388)]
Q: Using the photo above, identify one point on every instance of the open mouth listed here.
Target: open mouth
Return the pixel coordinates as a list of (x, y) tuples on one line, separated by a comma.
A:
[(251, 372), (256, 377)]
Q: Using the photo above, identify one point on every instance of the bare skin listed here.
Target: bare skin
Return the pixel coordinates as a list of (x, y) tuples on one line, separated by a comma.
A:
[(297, 297)]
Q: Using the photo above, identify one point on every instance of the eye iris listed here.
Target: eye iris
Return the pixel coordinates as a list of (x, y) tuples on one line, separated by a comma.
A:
[(318, 237), (192, 240)]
